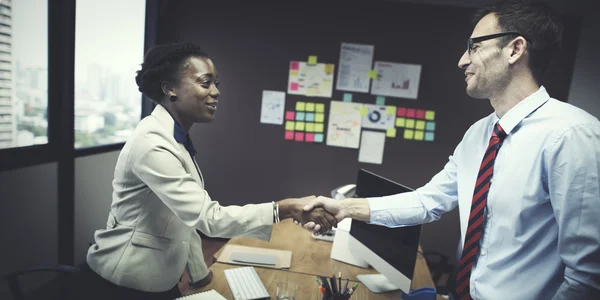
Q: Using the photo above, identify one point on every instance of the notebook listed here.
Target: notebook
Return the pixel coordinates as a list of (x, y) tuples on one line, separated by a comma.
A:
[(208, 295)]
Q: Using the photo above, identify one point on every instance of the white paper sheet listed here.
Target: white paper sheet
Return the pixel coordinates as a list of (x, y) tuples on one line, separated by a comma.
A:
[(372, 144), (353, 70), (396, 80), (310, 80), (344, 124), (273, 106), (378, 118)]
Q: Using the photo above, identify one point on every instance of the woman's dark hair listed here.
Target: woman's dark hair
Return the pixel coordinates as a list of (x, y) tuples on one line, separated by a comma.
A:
[(165, 63), (538, 24)]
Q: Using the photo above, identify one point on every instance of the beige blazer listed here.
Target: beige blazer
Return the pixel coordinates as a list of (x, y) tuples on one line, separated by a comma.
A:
[(158, 202)]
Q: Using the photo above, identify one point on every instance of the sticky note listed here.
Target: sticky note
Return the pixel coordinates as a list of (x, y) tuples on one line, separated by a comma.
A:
[(310, 117), (328, 68), (309, 137), (430, 115), (319, 127), (310, 127), (300, 106), (299, 136), (420, 125), (419, 135), (420, 114), (429, 136), (364, 111), (293, 86), (408, 134), (289, 135), (290, 115), (294, 65), (310, 106), (401, 112), (410, 123), (299, 126), (380, 100), (320, 107), (390, 110), (300, 116), (400, 122), (430, 126), (391, 133), (373, 74), (289, 125), (318, 137), (410, 113), (347, 97), (293, 73), (319, 118), (312, 60)]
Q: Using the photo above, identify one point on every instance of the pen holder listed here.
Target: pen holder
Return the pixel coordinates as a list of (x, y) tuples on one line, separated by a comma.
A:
[(338, 297)]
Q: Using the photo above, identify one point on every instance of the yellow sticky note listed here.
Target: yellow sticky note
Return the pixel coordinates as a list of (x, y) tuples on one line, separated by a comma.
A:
[(373, 74), (312, 60), (328, 68), (310, 127), (408, 134), (300, 106), (390, 110), (420, 125), (319, 118), (294, 73), (364, 111), (430, 115), (400, 122), (310, 106), (289, 125), (319, 127), (410, 123), (300, 126), (419, 135), (391, 133), (320, 107)]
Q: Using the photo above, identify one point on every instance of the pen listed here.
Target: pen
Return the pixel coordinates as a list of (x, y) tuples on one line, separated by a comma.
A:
[(346, 287), (353, 289), (340, 282), (333, 284), (326, 286)]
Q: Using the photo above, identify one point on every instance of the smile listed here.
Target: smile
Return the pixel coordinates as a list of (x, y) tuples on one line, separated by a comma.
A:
[(212, 105)]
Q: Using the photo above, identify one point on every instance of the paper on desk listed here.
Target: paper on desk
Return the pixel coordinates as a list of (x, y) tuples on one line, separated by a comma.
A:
[(284, 257)]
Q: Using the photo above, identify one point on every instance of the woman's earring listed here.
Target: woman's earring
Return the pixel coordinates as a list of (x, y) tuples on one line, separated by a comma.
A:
[(173, 98)]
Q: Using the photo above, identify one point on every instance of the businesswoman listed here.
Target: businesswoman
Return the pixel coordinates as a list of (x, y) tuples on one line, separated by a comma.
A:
[(159, 198)]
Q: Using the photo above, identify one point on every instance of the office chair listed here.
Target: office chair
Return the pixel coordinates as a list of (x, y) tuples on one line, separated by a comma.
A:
[(439, 266), (13, 278)]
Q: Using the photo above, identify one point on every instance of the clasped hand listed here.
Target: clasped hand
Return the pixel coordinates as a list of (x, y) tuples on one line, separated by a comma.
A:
[(319, 205)]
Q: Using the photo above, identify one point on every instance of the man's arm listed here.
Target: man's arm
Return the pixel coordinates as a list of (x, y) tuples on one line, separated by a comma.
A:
[(574, 188)]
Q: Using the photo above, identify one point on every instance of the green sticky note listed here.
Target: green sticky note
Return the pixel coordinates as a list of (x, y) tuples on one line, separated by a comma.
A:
[(408, 134), (347, 97), (429, 136), (419, 135), (289, 125), (364, 111), (373, 74), (400, 122), (390, 110), (430, 126), (310, 127), (300, 106), (310, 106), (380, 100), (391, 133), (312, 60), (318, 138), (430, 115), (420, 125), (410, 123), (300, 126), (319, 127), (320, 107), (319, 118)]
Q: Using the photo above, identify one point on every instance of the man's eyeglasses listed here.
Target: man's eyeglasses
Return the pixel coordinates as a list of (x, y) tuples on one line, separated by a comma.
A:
[(478, 39)]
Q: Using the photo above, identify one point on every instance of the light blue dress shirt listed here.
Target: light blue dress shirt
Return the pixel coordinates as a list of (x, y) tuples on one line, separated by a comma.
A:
[(542, 227)]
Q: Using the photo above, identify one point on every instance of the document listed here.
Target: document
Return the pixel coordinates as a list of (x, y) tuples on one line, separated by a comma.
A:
[(396, 80), (344, 124), (372, 144), (310, 80), (273, 106), (353, 71), (379, 117)]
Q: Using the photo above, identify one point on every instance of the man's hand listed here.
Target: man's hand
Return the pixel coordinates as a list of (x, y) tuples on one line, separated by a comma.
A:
[(321, 220), (332, 206)]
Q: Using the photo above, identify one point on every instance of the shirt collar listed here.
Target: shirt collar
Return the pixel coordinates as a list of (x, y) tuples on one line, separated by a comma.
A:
[(515, 115), (183, 138)]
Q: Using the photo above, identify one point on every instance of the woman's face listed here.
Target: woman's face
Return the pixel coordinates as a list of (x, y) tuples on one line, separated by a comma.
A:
[(197, 91)]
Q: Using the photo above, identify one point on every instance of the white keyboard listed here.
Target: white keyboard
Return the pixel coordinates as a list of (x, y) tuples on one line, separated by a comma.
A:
[(245, 284)]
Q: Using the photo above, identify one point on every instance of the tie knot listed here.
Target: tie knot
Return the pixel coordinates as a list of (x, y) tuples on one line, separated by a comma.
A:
[(499, 131)]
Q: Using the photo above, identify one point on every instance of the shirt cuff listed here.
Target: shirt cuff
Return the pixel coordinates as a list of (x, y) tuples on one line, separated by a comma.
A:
[(379, 211)]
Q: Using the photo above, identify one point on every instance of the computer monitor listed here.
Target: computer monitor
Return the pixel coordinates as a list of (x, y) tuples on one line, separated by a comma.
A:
[(391, 251)]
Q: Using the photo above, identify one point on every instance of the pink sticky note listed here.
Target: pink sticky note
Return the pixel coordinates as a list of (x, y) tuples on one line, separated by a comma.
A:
[(420, 114), (294, 65), (401, 111), (289, 135), (290, 115), (410, 113), (299, 136), (294, 86), (310, 137)]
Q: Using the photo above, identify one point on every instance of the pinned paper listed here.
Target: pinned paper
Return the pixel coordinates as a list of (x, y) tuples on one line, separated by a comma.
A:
[(420, 114), (380, 100), (410, 123), (320, 107), (290, 115), (318, 137), (408, 134), (300, 106), (347, 97), (430, 115), (310, 106), (293, 86), (401, 112), (312, 60), (373, 74), (300, 116), (419, 135), (289, 125), (420, 125), (299, 126), (310, 127), (319, 127), (364, 111), (289, 135), (429, 136), (430, 126), (390, 110), (319, 118), (309, 137), (310, 117), (299, 136), (328, 68), (391, 133)]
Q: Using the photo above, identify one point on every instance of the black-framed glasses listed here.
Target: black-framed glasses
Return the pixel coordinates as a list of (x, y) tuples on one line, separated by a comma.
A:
[(482, 38)]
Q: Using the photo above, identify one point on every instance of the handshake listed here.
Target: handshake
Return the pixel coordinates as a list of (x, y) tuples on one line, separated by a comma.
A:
[(316, 214)]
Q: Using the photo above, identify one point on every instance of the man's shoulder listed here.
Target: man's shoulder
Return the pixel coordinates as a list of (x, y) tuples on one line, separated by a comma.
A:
[(566, 115)]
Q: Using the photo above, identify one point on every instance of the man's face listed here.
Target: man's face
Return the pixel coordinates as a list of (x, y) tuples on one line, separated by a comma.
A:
[(486, 72)]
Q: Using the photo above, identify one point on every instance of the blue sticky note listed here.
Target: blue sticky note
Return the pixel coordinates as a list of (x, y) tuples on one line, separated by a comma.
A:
[(310, 117), (318, 137), (380, 100), (347, 97), (430, 126), (300, 116), (429, 136)]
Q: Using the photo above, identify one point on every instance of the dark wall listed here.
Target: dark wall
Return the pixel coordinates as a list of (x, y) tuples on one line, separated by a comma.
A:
[(245, 161)]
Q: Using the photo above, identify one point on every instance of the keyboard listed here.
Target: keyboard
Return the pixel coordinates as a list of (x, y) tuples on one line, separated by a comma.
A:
[(245, 284)]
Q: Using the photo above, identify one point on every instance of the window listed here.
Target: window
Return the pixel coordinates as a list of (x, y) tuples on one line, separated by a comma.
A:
[(23, 73), (109, 48)]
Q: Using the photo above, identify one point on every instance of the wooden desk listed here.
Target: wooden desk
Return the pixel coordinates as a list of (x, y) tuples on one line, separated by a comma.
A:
[(310, 257)]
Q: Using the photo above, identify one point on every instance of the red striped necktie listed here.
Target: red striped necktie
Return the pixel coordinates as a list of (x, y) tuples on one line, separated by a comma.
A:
[(475, 230)]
